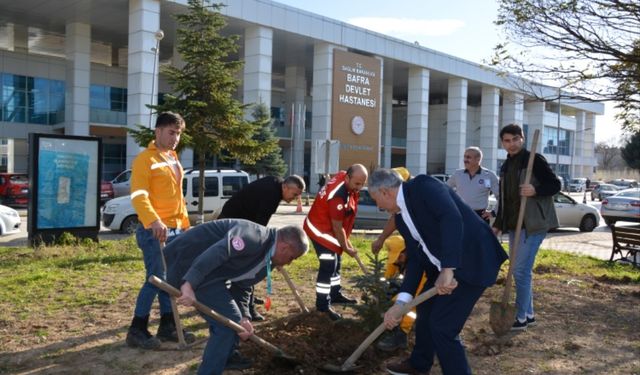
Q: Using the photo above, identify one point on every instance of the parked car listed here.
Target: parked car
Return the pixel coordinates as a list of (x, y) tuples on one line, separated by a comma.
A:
[(603, 190), (571, 214), (121, 185), (220, 185), (369, 216), (624, 183), (14, 189), (578, 185), (594, 184), (106, 191), (441, 177), (624, 206), (9, 220)]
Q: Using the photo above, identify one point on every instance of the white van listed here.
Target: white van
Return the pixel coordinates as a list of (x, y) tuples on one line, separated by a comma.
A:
[(220, 185)]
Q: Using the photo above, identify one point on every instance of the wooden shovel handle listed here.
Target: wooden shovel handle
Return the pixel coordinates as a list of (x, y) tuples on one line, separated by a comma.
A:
[(293, 288), (523, 203), (362, 266), (174, 306), (158, 282), (378, 331)]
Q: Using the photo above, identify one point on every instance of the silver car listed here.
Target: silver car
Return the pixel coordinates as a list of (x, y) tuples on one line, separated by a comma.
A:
[(624, 206), (602, 191), (369, 216), (571, 214)]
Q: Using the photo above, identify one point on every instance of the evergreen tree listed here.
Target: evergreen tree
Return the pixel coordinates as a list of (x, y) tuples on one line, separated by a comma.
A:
[(204, 88), (272, 164), (630, 152)]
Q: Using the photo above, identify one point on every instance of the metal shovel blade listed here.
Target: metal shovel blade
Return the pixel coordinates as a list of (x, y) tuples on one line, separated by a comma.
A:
[(335, 369), (501, 317)]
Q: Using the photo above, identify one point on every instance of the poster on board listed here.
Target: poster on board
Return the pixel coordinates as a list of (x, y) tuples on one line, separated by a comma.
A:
[(65, 186)]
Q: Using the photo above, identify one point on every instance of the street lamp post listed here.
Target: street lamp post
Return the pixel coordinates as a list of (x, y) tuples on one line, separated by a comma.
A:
[(558, 133), (159, 35)]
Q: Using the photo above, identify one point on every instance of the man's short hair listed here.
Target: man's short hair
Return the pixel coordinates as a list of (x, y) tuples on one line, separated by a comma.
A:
[(169, 119), (294, 236), (384, 178), (296, 180), (512, 129), (476, 149)]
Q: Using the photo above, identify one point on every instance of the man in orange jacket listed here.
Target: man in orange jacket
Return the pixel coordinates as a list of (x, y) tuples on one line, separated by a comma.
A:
[(328, 225), (156, 195)]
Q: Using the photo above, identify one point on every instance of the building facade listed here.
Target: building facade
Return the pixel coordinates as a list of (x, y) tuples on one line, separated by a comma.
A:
[(90, 68)]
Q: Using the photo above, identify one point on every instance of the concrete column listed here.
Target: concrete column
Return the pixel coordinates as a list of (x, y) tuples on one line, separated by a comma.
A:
[(78, 51), (144, 21), (258, 50), (489, 117), (387, 119), (512, 108), (589, 141), (321, 95), (536, 112), (295, 85), (577, 146), (456, 124), (417, 120)]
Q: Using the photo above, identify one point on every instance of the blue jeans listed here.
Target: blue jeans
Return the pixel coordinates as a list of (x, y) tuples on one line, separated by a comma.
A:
[(153, 265), (523, 271)]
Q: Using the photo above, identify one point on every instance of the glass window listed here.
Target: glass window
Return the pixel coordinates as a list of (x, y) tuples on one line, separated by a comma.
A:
[(210, 186), (232, 184)]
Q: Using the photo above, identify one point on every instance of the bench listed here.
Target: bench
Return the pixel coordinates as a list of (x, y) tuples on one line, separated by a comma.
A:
[(626, 243)]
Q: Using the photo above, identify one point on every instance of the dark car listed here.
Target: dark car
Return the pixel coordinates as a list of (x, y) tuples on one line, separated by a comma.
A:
[(106, 191), (14, 189)]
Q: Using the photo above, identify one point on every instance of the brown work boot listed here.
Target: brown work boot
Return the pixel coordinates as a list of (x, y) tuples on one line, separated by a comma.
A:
[(404, 368)]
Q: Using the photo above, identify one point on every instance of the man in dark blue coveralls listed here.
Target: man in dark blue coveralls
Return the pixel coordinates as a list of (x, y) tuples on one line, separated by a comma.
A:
[(201, 261)]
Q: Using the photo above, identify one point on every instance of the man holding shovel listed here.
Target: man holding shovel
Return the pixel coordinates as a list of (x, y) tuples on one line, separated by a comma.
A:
[(257, 202), (328, 225), (156, 195), (460, 255), (539, 214), (203, 260)]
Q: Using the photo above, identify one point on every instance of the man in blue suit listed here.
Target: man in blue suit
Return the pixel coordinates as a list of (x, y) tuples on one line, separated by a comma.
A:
[(459, 253)]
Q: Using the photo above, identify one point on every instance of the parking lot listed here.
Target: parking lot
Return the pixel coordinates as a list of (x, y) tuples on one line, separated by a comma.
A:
[(597, 243)]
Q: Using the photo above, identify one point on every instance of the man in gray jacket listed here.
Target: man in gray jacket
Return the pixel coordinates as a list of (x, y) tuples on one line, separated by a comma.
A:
[(539, 216), (202, 260)]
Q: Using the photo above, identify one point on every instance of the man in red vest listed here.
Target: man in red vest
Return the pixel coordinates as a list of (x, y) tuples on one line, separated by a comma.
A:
[(328, 225)]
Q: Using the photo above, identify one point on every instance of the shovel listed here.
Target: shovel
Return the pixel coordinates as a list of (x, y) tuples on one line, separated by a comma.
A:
[(294, 290), (348, 365), (362, 266), (182, 344), (502, 314), (277, 352)]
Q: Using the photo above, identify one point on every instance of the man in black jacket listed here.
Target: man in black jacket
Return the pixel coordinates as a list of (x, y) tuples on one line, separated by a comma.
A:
[(257, 202), (539, 216)]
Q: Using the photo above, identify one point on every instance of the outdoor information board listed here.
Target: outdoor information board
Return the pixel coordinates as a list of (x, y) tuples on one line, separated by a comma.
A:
[(64, 187)]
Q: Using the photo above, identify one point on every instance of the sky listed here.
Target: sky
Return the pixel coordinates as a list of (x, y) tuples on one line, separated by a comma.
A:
[(462, 28)]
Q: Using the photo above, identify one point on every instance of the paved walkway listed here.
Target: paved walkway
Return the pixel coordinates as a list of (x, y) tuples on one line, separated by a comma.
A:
[(596, 244)]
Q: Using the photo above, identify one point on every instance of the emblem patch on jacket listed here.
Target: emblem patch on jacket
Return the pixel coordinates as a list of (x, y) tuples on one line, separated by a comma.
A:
[(237, 243)]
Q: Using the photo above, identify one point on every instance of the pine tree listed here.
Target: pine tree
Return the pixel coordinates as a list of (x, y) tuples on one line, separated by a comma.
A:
[(375, 293), (272, 164)]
